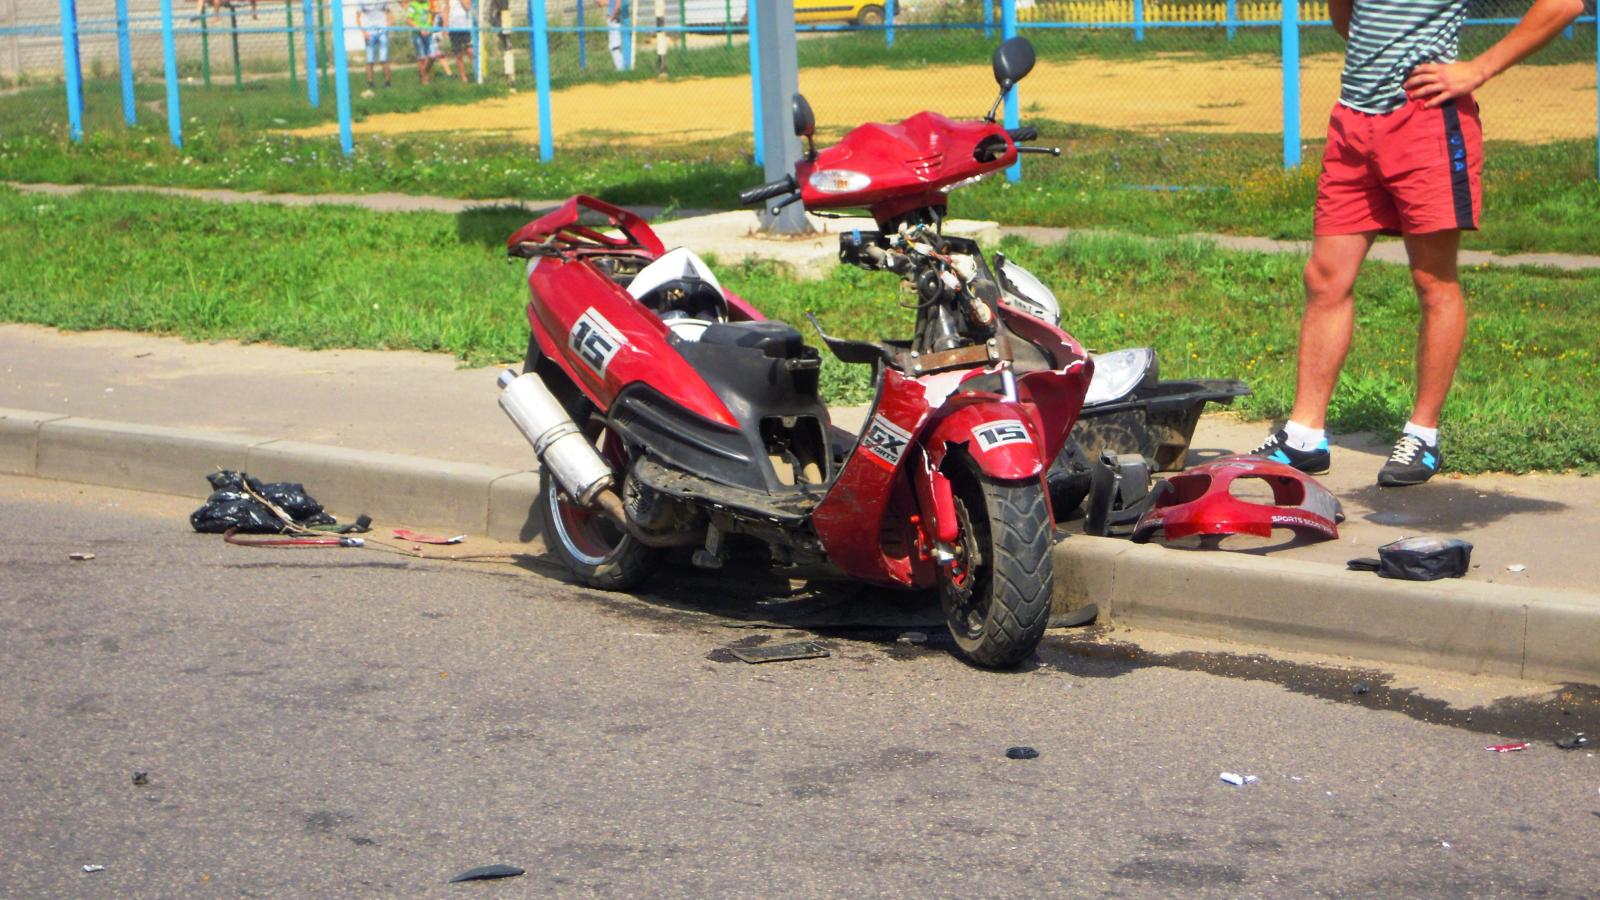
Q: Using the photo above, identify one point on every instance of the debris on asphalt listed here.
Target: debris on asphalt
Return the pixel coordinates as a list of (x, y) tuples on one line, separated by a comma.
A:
[(1361, 687), (486, 873), (91, 868), (1419, 559), (779, 652), (912, 637), (1516, 567), (246, 504), (1238, 780), (1083, 615), (1021, 753), (302, 540), (80, 556), (1573, 741), (406, 534), (140, 779), (1445, 844), (1508, 748)]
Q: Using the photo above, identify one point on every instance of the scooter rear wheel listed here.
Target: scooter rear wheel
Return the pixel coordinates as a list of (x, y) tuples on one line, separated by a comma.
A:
[(996, 597), (598, 552)]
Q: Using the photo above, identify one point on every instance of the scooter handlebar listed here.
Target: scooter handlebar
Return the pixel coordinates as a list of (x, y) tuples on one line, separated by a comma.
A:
[(760, 192)]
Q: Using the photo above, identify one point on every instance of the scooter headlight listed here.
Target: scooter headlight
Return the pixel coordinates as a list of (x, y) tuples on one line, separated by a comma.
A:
[(838, 181), (1117, 374)]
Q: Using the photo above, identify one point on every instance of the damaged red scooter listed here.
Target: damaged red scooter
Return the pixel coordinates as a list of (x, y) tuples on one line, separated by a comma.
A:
[(668, 412)]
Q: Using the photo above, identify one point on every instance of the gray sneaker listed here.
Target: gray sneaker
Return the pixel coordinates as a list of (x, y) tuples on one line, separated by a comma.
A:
[(1412, 462)]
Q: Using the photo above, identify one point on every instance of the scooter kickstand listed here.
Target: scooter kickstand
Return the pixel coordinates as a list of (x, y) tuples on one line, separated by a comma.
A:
[(712, 555)]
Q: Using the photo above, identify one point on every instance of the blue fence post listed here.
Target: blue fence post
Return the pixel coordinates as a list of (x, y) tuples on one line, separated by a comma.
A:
[(341, 77), (988, 20), (888, 23), (130, 111), (1233, 17), (1013, 116), (1138, 20), (541, 75), (755, 83), (627, 39), (583, 40), (69, 63), (1291, 83), (477, 46), (1597, 81), (313, 87), (169, 53)]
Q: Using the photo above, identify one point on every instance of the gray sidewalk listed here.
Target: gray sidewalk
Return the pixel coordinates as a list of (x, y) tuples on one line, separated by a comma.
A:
[(417, 441)]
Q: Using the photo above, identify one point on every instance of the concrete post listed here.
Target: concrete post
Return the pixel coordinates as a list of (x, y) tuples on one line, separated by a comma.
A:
[(780, 79)]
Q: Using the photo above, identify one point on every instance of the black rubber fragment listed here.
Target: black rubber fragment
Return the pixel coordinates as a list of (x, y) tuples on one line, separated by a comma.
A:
[(1361, 687), (486, 873), (1573, 741), (1021, 753)]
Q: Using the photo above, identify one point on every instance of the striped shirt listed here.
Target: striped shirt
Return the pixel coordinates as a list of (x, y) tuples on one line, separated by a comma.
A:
[(1389, 38)]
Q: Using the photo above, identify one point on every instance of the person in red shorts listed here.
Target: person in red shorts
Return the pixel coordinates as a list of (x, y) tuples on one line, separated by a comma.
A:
[(1404, 157)]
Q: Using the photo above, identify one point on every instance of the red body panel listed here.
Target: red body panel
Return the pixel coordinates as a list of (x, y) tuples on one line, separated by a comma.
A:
[(1200, 501), (983, 424), (911, 164), (562, 225), (605, 340), (850, 519)]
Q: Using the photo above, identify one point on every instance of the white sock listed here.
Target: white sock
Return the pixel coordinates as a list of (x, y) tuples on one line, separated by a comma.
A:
[(1300, 437), (1429, 436)]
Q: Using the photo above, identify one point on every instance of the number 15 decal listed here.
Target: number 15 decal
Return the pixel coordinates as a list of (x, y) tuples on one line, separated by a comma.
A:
[(595, 340), (1001, 432)]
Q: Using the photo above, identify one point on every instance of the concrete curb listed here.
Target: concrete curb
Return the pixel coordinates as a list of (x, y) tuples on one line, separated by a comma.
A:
[(1451, 625)]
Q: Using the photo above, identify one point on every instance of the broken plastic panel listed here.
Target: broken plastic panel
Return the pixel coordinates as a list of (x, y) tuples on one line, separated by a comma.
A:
[(1203, 500)]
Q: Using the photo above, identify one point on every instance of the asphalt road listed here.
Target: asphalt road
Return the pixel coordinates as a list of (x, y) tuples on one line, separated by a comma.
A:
[(337, 722)]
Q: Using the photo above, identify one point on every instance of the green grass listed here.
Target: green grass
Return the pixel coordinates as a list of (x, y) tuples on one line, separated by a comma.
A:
[(337, 277)]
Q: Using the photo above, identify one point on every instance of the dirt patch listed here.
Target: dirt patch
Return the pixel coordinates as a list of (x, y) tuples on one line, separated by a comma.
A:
[(1532, 104)]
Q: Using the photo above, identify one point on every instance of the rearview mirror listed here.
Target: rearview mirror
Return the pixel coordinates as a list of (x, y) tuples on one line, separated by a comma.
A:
[(805, 123), (1013, 59)]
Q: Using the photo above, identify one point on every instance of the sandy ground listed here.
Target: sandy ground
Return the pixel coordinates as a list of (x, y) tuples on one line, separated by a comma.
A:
[(1532, 104)]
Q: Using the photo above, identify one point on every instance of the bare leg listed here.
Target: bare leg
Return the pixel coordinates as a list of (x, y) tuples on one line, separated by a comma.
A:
[(1328, 321), (1444, 319)]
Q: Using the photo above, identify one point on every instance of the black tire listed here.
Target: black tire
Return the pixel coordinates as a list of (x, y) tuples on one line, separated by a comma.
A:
[(871, 15), (997, 598), (598, 552)]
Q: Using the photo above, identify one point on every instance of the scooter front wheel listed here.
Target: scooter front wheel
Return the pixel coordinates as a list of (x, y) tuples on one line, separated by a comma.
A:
[(598, 552), (996, 597)]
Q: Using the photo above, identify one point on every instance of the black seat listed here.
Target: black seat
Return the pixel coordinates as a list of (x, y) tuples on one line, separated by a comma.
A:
[(773, 339)]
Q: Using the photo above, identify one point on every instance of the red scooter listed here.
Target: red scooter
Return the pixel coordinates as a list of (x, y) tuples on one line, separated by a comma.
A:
[(668, 412)]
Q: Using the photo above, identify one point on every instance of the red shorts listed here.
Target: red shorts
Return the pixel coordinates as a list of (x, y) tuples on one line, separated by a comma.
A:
[(1411, 171)]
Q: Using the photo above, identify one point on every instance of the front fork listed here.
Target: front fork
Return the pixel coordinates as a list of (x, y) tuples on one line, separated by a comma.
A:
[(938, 529)]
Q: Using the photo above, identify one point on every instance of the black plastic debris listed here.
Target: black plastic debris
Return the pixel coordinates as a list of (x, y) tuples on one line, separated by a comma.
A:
[(1573, 741), (1021, 753), (488, 873), (231, 506), (140, 779), (1419, 559), (779, 652), (1361, 687)]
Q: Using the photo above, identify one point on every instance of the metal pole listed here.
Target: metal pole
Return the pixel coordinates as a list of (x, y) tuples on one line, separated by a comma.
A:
[(1138, 20), (1291, 83), (233, 28), (683, 28), (888, 23), (755, 81), (341, 78), (288, 32), (988, 20), (780, 78), (583, 40), (1233, 17), (313, 85), (130, 107), (477, 42), (1597, 82), (205, 49), (322, 35), (627, 34), (70, 63), (169, 52), (539, 29), (1013, 117), (727, 23)]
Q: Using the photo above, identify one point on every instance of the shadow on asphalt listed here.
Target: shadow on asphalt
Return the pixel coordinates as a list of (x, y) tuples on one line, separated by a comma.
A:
[(1447, 505)]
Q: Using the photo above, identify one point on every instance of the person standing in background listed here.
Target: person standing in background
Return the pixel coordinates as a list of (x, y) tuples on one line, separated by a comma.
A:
[(616, 11), (1404, 157), (458, 21), (420, 17), (373, 18)]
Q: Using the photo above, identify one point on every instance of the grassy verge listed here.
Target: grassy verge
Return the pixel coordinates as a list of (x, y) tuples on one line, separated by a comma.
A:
[(329, 277)]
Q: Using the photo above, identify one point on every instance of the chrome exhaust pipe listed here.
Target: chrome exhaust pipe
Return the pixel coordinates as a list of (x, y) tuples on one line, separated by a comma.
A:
[(558, 442)]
